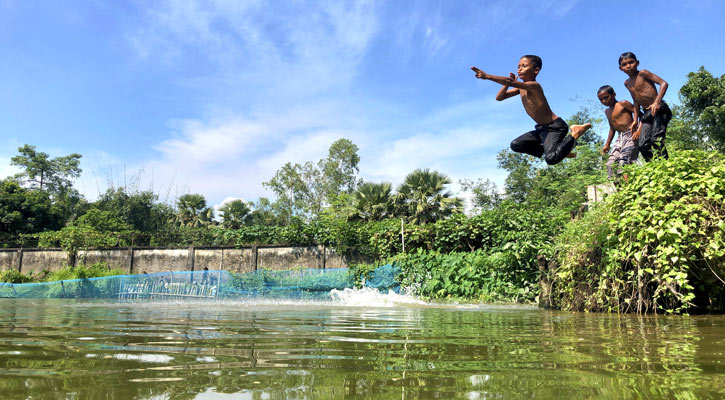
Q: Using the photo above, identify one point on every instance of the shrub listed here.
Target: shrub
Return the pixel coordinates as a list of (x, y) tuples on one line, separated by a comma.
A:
[(658, 244)]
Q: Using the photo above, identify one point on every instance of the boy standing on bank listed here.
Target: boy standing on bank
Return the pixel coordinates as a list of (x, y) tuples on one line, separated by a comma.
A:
[(550, 137), (656, 116), (619, 116)]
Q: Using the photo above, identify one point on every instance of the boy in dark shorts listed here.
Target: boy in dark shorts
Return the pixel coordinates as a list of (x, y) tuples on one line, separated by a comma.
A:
[(619, 115), (550, 137), (656, 116)]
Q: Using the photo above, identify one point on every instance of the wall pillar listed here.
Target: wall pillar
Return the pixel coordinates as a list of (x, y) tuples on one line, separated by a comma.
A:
[(191, 256), (19, 260)]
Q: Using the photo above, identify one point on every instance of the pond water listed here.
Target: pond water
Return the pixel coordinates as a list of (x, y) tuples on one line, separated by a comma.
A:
[(361, 345)]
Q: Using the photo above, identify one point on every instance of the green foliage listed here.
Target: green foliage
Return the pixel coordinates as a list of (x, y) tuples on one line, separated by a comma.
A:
[(699, 121), (24, 211), (486, 195), (136, 208), (484, 276), (96, 270), (304, 190), (422, 197), (66, 273), (192, 211), (373, 201), (658, 244), (234, 214), (77, 237), (14, 276), (45, 173)]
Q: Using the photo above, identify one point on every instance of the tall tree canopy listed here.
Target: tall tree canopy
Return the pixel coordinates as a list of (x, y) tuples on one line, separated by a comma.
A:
[(40, 171), (306, 189), (699, 121)]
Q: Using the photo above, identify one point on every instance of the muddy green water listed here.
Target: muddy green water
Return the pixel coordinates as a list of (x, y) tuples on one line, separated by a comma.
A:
[(66, 349)]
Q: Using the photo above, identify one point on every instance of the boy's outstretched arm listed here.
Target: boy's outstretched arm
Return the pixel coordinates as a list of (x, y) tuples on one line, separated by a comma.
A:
[(504, 93), (660, 94)]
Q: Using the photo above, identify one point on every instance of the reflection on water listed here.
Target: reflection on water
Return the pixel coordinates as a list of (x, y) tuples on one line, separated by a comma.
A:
[(62, 349)]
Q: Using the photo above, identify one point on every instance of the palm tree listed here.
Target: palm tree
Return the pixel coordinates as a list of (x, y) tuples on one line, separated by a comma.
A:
[(422, 197), (234, 214), (373, 201), (192, 211)]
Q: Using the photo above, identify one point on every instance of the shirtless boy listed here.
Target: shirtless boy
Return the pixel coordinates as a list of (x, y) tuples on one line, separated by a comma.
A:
[(619, 115), (641, 84), (550, 136)]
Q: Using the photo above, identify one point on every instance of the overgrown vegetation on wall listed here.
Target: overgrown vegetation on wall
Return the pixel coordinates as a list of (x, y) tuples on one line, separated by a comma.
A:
[(658, 244)]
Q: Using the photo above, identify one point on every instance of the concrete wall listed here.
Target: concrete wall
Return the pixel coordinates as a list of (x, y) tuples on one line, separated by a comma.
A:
[(115, 258), (36, 260), (149, 260), (9, 259)]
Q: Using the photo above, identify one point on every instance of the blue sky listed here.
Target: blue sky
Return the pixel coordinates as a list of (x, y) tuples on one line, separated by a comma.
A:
[(213, 97)]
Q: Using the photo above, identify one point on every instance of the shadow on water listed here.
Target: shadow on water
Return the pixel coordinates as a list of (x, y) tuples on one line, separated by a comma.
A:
[(257, 350)]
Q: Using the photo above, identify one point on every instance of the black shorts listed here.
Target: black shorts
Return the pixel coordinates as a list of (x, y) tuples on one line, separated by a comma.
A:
[(654, 130), (551, 140)]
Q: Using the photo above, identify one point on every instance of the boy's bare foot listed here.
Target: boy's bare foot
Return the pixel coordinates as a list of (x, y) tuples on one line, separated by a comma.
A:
[(571, 155), (577, 130)]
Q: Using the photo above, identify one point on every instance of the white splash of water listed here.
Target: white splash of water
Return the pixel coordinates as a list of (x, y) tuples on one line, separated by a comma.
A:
[(369, 297)]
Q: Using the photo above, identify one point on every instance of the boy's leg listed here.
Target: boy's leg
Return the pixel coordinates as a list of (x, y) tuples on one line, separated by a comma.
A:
[(558, 143), (528, 143), (659, 130), (629, 156), (644, 144), (611, 161)]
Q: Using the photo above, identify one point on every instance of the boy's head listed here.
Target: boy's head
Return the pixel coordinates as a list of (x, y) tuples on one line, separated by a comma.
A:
[(628, 62), (529, 67), (607, 96)]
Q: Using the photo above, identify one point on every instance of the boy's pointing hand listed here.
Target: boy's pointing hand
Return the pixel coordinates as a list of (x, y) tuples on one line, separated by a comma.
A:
[(512, 76), (479, 74)]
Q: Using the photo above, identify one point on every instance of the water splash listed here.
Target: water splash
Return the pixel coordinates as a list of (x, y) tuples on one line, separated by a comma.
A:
[(369, 297)]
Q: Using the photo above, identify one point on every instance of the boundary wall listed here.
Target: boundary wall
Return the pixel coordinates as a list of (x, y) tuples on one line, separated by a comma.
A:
[(140, 260)]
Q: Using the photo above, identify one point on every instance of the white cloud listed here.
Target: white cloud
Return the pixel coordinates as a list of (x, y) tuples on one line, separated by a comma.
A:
[(283, 85)]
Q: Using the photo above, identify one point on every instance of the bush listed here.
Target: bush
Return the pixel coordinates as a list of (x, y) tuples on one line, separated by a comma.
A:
[(478, 275), (83, 272), (14, 276), (658, 244)]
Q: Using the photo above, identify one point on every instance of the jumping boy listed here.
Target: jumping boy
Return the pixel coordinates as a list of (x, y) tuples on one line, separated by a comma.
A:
[(550, 137), (657, 114), (619, 115)]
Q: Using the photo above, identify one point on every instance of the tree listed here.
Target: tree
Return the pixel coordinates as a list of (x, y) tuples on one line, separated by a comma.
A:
[(44, 173), (267, 213), (521, 170), (24, 211), (699, 122), (485, 193), (422, 197), (234, 214), (135, 209), (54, 176), (306, 189), (192, 211), (372, 201), (339, 169)]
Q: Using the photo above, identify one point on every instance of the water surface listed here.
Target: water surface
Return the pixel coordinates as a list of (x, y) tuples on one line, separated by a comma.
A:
[(354, 347)]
